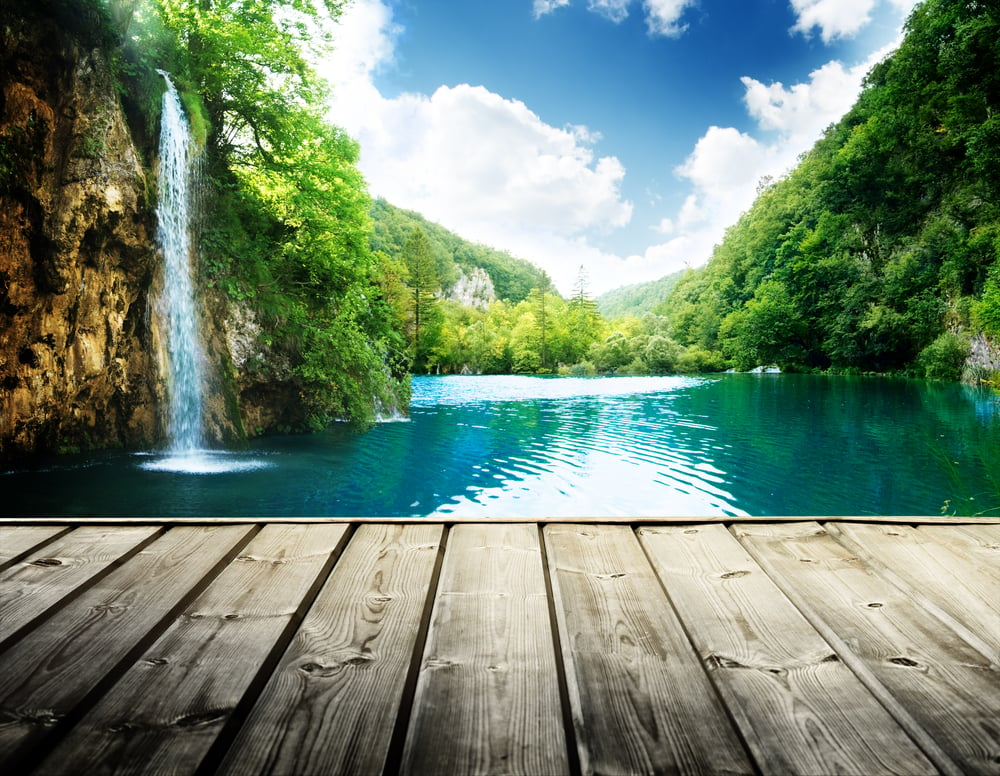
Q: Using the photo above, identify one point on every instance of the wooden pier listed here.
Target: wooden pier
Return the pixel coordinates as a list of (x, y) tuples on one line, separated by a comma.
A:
[(542, 648)]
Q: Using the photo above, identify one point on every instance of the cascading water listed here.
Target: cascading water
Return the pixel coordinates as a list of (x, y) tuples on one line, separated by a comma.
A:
[(180, 316), (177, 311)]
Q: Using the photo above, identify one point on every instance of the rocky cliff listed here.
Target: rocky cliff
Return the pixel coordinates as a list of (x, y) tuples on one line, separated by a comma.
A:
[(76, 256)]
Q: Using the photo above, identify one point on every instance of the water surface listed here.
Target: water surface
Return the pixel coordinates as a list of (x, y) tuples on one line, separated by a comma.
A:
[(535, 447)]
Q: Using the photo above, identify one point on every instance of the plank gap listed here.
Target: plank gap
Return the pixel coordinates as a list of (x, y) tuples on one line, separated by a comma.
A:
[(33, 751), (856, 663), (71, 595), (723, 700), (217, 752), (15, 559), (397, 741), (567, 710)]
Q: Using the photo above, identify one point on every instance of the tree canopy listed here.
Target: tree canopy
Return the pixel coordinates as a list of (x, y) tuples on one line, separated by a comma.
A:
[(879, 251), (286, 225)]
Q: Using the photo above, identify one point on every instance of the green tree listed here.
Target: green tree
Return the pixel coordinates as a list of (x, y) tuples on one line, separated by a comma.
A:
[(423, 282)]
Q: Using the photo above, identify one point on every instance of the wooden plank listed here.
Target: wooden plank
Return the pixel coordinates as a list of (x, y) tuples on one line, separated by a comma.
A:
[(48, 672), (799, 708), (16, 540), (641, 701), (487, 698), (945, 692), (978, 544), (331, 704), (45, 577), (166, 712), (961, 592)]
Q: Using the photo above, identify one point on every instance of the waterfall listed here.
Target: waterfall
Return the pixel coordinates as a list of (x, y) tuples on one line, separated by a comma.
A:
[(173, 233)]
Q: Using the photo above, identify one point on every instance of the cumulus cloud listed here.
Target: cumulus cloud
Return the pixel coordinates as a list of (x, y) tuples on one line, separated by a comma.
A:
[(726, 166), (485, 166), (804, 110), (839, 18), (833, 18), (662, 16)]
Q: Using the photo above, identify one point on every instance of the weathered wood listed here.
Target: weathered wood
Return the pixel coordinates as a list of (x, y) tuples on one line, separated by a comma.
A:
[(487, 699), (16, 540), (935, 677), (331, 705), (978, 544), (799, 707), (959, 591), (50, 671), (170, 706), (641, 700), (44, 578)]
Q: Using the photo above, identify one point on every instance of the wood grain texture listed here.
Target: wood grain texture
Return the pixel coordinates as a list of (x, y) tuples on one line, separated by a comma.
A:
[(331, 705), (48, 672), (641, 701), (45, 577), (169, 707), (799, 707), (978, 544), (18, 539), (487, 699), (961, 591), (943, 683)]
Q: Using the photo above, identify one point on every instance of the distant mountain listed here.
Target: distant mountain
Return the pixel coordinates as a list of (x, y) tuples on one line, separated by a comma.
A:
[(638, 298), (456, 258)]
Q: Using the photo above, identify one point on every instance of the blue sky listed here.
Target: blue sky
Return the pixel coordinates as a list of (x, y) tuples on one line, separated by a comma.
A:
[(623, 136)]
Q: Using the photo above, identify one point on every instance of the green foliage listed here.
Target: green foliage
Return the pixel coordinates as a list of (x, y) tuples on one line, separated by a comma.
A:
[(944, 357), (287, 222), (986, 310), (513, 278), (886, 232), (638, 298), (422, 280)]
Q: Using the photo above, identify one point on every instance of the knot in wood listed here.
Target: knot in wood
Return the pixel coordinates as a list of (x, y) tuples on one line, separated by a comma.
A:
[(43, 562), (735, 574)]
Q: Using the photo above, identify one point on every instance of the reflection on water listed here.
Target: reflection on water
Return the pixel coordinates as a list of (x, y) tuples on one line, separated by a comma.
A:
[(537, 447), (201, 462)]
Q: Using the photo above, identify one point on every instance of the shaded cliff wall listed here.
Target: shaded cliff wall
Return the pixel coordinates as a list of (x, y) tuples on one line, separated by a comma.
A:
[(76, 256)]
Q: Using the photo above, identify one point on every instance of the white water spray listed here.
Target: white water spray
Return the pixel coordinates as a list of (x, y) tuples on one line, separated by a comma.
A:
[(184, 432)]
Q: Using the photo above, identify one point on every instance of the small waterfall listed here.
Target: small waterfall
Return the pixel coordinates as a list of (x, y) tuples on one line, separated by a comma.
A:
[(184, 427)]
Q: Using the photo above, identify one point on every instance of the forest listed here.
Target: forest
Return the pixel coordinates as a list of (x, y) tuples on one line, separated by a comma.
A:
[(878, 253)]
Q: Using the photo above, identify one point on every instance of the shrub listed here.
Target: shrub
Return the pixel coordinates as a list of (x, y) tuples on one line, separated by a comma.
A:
[(944, 357)]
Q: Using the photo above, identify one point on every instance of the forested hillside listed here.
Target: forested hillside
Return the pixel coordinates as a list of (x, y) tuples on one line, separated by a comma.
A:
[(639, 298), (879, 251), (513, 278)]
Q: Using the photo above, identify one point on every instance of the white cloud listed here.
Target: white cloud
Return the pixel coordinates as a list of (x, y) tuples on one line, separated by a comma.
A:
[(834, 18), (485, 166), (804, 110), (662, 16), (543, 7), (726, 165), (839, 18)]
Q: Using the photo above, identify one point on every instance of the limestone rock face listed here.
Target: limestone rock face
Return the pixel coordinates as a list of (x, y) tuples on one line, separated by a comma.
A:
[(76, 258), (474, 289)]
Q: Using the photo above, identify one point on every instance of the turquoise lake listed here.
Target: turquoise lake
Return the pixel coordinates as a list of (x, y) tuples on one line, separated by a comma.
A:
[(734, 444)]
